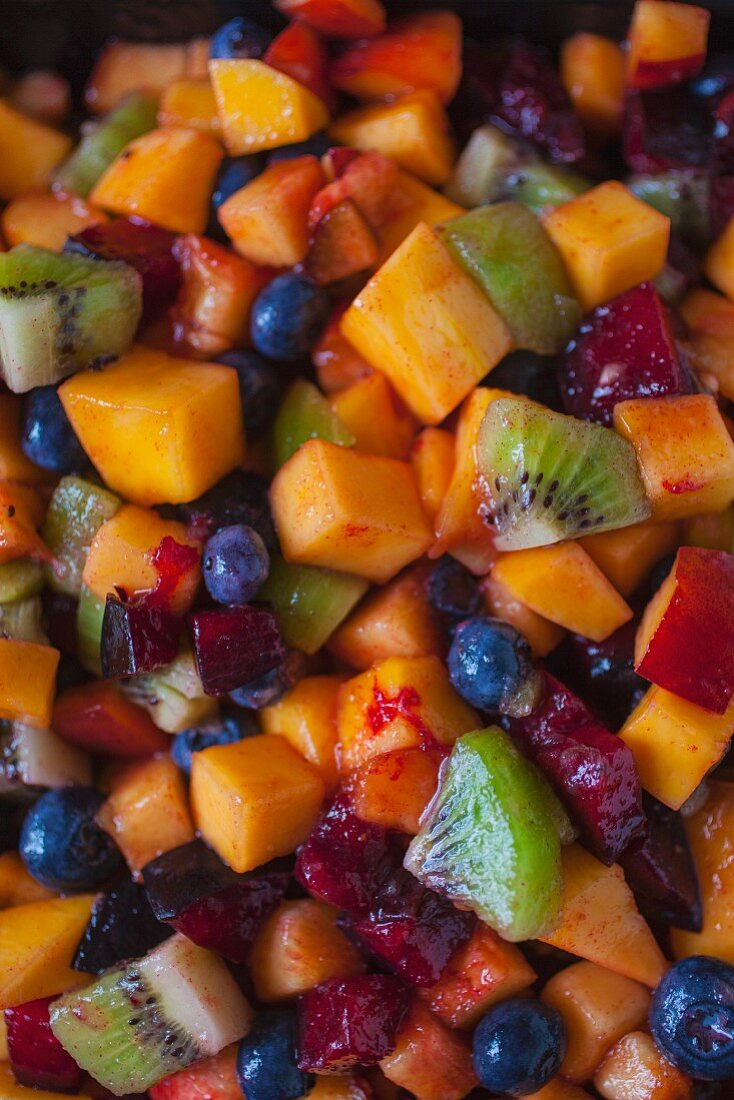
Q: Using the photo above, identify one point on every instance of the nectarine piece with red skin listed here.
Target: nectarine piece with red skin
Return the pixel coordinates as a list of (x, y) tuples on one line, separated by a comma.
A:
[(368, 179), (666, 43), (100, 718), (299, 52), (431, 1060), (337, 363), (342, 244), (337, 18)]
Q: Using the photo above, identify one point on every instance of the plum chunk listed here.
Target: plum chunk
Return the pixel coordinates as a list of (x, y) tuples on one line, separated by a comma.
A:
[(136, 637), (234, 646), (36, 1055), (604, 673), (351, 1022), (122, 926), (665, 129)]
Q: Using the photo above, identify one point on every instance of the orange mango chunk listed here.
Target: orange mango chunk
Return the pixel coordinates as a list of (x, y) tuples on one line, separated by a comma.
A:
[(430, 1059), (559, 1089), (563, 584), (337, 363), (17, 885), (189, 102), (261, 108), (306, 717), (158, 428), (411, 203), (401, 703), (21, 511), (593, 74), (609, 241), (14, 466), (27, 682), (426, 324), (627, 555), (598, 1007), (600, 921), (432, 459), (37, 944), (719, 263), (394, 788), (47, 218), (376, 416), (165, 176), (541, 634), (255, 799), (634, 1069), (31, 151), (346, 510), (338, 1088), (666, 42), (298, 947), (124, 67)]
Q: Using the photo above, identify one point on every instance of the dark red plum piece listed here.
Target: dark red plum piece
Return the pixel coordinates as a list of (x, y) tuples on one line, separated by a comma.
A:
[(354, 1022), (591, 770), (137, 637), (624, 349), (234, 646), (603, 673), (194, 892), (665, 129), (122, 926), (660, 870), (37, 1057)]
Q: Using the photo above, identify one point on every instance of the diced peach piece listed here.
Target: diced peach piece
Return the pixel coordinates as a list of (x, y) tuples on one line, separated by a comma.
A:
[(147, 811), (343, 244), (298, 947), (101, 718), (627, 555), (165, 176), (394, 788), (394, 621), (266, 219), (432, 458), (255, 799), (609, 241), (541, 634), (299, 52), (37, 944), (337, 18), (484, 970), (413, 202), (376, 416), (429, 1059), (666, 42), (600, 921), (593, 73), (156, 427), (124, 67), (401, 703), (47, 218), (705, 311), (367, 179), (190, 102), (563, 584), (710, 316), (345, 510), (598, 1007), (31, 151), (337, 363), (427, 325), (261, 108), (27, 682), (17, 885), (306, 717), (42, 94), (634, 1069), (14, 466)]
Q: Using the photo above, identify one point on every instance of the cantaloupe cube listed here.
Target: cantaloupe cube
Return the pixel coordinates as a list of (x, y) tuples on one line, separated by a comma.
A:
[(562, 584), (47, 218), (627, 555), (158, 428), (600, 921), (541, 634), (346, 510), (634, 1068), (306, 717), (685, 452), (255, 799), (430, 1059), (37, 945), (394, 788), (432, 459), (593, 73), (609, 241), (17, 885), (190, 102), (14, 466), (666, 42), (27, 682), (31, 151), (261, 108), (166, 176), (411, 203), (376, 417)]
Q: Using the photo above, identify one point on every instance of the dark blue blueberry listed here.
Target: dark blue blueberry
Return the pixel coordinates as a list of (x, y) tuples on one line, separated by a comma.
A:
[(518, 1046), (692, 1017), (266, 1059), (453, 591), (716, 77), (61, 844), (235, 563), (288, 316), (314, 146), (234, 174), (240, 38), (271, 686), (218, 731), (48, 438), (490, 665), (531, 375), (260, 388)]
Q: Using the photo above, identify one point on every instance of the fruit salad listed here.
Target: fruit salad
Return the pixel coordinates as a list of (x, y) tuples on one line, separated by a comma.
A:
[(367, 563)]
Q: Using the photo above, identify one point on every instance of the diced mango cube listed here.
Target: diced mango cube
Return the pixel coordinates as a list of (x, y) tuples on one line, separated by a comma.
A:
[(430, 1059), (411, 203), (432, 459), (627, 555), (31, 151), (27, 682), (17, 885), (394, 788), (376, 417), (541, 634), (124, 67), (37, 945), (634, 1068), (593, 73), (306, 717), (189, 102), (719, 264), (47, 218)]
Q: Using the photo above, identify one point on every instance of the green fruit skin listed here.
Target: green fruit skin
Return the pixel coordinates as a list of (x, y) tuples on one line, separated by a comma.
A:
[(492, 841), (683, 197), (506, 250), (306, 414), (77, 510), (310, 603), (19, 580), (89, 616), (173, 695), (103, 141), (541, 187)]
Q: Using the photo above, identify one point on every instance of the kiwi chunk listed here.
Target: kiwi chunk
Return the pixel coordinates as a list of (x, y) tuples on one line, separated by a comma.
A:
[(62, 313), (150, 1017), (19, 580), (551, 477), (173, 695), (310, 602), (306, 414), (77, 510), (492, 840), (22, 620), (481, 170), (543, 186), (103, 140)]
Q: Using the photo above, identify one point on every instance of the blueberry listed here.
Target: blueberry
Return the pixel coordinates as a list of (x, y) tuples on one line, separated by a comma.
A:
[(692, 1017), (716, 77), (288, 316), (240, 38), (453, 591), (518, 1046), (314, 146), (271, 686), (490, 665), (217, 731), (266, 1059), (530, 375), (260, 388), (61, 844), (235, 563), (48, 438)]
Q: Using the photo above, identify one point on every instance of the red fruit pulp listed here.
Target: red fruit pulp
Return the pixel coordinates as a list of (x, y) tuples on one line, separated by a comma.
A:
[(172, 562), (603, 673), (36, 1055), (137, 638), (666, 129), (99, 718), (350, 1023), (228, 921), (234, 646)]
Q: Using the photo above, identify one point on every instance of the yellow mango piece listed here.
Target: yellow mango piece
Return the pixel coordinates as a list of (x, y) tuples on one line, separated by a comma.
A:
[(426, 324), (346, 510), (156, 427), (609, 241), (189, 102), (675, 743), (306, 717), (719, 262), (634, 1068), (413, 202), (376, 416), (37, 944), (166, 176), (261, 108), (559, 1089), (14, 466), (47, 218), (27, 682), (413, 130), (340, 1088), (30, 152), (17, 885), (432, 459), (561, 583), (541, 634), (627, 555), (254, 800)]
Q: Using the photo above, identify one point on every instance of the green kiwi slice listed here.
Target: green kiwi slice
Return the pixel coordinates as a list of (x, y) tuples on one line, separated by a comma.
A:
[(150, 1017), (102, 140), (62, 313), (551, 477)]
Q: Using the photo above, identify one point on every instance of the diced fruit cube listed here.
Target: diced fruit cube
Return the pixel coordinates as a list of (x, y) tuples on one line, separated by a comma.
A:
[(634, 1068), (17, 885), (75, 513), (299, 52), (376, 416), (306, 717), (560, 1089), (666, 43), (261, 108), (305, 414), (348, 511), (541, 634), (99, 718), (124, 67), (47, 218), (234, 645), (342, 245), (27, 682), (338, 18), (310, 602), (411, 203), (31, 151), (337, 363), (627, 555), (432, 459), (609, 241), (215, 1078), (36, 1056), (719, 264), (37, 943), (349, 1022), (189, 102), (394, 788), (593, 74), (158, 428), (14, 464), (254, 800), (429, 1059)]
